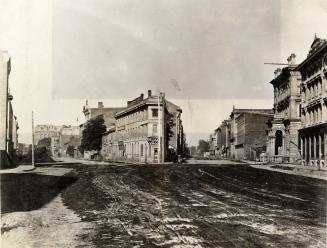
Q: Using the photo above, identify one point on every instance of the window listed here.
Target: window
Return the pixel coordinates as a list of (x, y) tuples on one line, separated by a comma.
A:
[(154, 112), (155, 128), (142, 150)]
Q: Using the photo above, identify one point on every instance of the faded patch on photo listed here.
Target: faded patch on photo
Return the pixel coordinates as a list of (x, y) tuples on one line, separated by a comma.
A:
[(188, 49)]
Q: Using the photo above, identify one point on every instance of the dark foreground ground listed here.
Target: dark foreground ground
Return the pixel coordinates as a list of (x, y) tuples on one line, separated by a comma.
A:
[(191, 206)]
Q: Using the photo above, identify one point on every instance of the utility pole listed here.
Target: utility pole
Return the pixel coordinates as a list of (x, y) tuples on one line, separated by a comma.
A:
[(159, 129), (33, 161)]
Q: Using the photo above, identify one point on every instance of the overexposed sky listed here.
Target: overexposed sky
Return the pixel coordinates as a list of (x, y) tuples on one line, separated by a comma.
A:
[(66, 51)]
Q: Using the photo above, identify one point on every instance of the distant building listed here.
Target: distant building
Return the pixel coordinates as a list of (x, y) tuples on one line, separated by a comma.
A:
[(313, 132), (108, 113), (223, 133), (145, 133), (59, 137), (23, 149), (8, 121), (282, 143), (248, 135)]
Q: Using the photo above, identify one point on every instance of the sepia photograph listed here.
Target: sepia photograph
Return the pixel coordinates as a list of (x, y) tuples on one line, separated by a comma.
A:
[(163, 123)]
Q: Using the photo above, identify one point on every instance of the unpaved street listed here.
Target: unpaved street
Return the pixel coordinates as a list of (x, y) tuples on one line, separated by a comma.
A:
[(227, 205)]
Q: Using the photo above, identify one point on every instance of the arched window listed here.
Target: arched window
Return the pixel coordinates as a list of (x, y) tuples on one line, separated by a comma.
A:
[(278, 141)]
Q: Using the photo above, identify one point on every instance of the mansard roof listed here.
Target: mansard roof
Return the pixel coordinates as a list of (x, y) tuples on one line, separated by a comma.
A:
[(318, 45)]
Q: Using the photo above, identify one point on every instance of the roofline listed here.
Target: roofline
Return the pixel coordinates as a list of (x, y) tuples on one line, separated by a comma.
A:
[(140, 104), (304, 62)]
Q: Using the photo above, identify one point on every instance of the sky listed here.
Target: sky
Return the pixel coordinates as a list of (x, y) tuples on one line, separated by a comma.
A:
[(205, 55)]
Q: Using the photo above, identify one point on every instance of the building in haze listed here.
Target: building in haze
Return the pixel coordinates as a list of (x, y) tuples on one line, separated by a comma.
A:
[(282, 132), (57, 138), (222, 148), (313, 132)]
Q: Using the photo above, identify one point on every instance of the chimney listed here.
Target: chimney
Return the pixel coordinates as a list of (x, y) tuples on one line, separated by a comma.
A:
[(277, 72), (149, 93), (291, 59), (142, 96), (100, 105)]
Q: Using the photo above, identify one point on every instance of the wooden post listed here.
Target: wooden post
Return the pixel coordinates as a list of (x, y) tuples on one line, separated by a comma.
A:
[(33, 161)]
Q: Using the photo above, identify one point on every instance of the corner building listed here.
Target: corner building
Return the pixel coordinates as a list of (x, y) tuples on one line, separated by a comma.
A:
[(282, 142), (313, 132), (148, 130)]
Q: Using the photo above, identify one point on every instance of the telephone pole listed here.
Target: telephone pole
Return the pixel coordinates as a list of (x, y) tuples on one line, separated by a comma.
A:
[(33, 161)]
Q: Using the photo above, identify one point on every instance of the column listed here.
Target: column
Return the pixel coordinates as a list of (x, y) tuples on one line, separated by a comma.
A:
[(314, 149), (319, 152), (309, 154)]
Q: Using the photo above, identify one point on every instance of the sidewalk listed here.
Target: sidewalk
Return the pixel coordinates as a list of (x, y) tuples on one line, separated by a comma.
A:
[(293, 169)]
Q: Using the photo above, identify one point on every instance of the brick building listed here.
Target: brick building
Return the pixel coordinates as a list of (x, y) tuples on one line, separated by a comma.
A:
[(313, 132), (247, 132), (143, 132), (282, 142)]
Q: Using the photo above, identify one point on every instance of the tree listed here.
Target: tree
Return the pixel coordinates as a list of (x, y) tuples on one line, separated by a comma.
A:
[(203, 146), (92, 134), (70, 150), (45, 142)]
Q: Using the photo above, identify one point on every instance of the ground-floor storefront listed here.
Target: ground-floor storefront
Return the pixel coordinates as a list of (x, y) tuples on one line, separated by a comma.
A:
[(145, 150)]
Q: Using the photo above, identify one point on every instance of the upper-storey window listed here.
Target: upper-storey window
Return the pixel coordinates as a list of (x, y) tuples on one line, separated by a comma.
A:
[(154, 112)]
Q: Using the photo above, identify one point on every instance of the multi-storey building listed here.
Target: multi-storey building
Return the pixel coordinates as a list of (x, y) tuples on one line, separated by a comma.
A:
[(148, 130), (108, 113), (282, 132), (313, 132), (248, 136), (223, 133), (46, 131), (8, 121), (60, 137)]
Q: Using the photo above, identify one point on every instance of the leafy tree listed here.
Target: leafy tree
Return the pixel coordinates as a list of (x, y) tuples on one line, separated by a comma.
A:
[(203, 146), (70, 150), (46, 143), (92, 134)]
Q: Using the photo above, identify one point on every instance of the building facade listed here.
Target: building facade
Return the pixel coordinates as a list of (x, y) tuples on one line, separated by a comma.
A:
[(59, 138), (282, 131), (247, 132), (313, 132), (108, 113), (223, 133), (148, 130), (8, 121)]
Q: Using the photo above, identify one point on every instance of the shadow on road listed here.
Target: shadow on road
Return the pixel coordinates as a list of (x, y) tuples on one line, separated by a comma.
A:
[(27, 191)]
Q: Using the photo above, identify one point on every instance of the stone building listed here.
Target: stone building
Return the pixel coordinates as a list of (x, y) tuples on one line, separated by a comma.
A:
[(8, 121), (282, 132), (313, 132), (143, 132), (248, 135)]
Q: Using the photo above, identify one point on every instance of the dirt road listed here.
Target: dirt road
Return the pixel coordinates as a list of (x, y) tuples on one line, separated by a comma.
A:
[(194, 206)]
